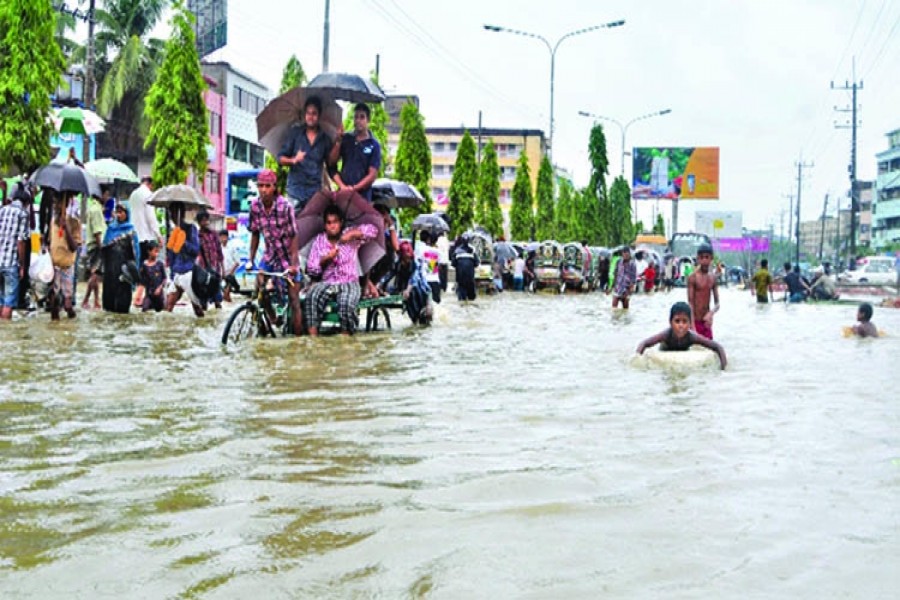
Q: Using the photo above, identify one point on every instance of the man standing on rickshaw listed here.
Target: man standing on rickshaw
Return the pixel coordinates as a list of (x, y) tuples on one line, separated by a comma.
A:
[(360, 156), (305, 152), (272, 216)]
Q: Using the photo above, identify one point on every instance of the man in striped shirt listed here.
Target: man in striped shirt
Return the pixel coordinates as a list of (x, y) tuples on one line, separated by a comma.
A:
[(334, 256)]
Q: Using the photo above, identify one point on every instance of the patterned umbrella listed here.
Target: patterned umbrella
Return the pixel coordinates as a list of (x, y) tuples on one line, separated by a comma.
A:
[(109, 169), (77, 121), (357, 211)]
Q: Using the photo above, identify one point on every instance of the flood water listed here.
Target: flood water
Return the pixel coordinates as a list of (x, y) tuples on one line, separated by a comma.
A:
[(513, 450)]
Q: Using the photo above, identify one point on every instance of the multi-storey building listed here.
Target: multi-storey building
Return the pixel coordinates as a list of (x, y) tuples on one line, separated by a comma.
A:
[(886, 203), (508, 143), (246, 98), (827, 234), (866, 190)]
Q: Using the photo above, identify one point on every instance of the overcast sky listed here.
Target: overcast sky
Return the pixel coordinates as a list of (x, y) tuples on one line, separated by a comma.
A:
[(750, 77)]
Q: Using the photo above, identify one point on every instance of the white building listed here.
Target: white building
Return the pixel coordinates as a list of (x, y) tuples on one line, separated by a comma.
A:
[(247, 98)]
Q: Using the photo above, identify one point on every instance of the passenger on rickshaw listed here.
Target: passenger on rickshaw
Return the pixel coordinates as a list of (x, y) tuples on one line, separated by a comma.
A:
[(406, 278), (272, 216), (391, 248), (334, 256), (304, 153), (464, 260)]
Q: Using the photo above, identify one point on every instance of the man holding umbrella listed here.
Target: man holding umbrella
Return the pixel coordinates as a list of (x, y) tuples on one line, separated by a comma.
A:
[(305, 151), (360, 155)]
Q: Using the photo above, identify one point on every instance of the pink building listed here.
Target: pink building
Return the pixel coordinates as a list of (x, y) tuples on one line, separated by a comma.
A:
[(216, 173)]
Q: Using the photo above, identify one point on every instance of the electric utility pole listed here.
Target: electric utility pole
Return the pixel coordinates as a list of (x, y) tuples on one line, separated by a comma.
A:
[(822, 233), (89, 80), (800, 166), (325, 36), (790, 229), (854, 123)]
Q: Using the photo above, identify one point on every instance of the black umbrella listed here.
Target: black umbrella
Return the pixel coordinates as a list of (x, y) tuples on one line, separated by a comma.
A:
[(504, 251), (430, 222), (66, 177), (395, 194), (345, 86)]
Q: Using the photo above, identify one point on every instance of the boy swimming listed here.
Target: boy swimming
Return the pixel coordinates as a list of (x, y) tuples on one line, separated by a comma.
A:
[(864, 326), (679, 335)]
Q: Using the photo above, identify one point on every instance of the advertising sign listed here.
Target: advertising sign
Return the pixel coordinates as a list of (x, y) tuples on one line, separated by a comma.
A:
[(759, 245), (212, 24), (682, 173), (718, 223)]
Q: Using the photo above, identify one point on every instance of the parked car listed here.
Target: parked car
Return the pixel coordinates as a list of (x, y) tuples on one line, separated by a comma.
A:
[(878, 270)]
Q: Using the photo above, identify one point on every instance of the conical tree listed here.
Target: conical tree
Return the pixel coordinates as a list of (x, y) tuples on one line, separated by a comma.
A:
[(462, 187), (413, 164), (521, 213), (622, 229), (488, 213), (31, 65), (179, 123), (591, 227), (598, 158), (566, 223), (659, 228), (293, 75), (545, 223)]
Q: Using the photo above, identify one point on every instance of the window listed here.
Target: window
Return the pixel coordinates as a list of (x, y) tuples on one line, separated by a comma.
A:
[(215, 124), (247, 101), (212, 182), (238, 149), (438, 147), (257, 156), (453, 146)]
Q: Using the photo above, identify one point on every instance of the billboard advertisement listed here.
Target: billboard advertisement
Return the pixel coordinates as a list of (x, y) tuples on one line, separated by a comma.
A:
[(675, 173), (757, 245), (211, 27), (719, 223)]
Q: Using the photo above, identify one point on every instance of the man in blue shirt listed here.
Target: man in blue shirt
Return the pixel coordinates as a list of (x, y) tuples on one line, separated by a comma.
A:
[(305, 151), (360, 155)]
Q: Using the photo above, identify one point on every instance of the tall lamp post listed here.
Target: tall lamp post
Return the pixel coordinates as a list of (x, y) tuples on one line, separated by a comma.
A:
[(624, 129), (553, 48)]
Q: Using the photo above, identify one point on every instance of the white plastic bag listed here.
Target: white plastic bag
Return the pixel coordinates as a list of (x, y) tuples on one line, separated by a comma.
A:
[(41, 268)]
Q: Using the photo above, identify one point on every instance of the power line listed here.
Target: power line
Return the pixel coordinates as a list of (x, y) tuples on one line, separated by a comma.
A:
[(854, 123), (859, 15), (800, 166), (884, 46)]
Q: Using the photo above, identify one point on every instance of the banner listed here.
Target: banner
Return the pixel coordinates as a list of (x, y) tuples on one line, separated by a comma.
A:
[(682, 173), (719, 223), (759, 245)]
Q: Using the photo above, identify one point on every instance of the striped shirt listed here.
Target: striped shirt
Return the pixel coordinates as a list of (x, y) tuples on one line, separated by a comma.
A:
[(343, 268), (13, 229)]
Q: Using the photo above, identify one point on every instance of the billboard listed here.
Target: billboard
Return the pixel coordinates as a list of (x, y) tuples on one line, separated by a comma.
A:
[(211, 27), (719, 223), (675, 173), (757, 245)]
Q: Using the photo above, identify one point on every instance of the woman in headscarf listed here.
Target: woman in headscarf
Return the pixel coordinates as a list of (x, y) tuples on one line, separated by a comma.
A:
[(121, 254)]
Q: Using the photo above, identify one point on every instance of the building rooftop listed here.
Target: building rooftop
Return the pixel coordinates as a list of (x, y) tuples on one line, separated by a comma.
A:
[(227, 65), (485, 131)]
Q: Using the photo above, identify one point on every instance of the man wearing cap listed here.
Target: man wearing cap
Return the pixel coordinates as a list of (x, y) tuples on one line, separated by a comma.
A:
[(143, 217), (305, 152), (360, 155), (273, 217)]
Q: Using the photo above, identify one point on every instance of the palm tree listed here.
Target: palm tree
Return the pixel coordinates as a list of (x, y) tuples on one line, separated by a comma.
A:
[(126, 63)]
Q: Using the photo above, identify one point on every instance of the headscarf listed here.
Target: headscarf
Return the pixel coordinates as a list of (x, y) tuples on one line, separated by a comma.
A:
[(115, 230)]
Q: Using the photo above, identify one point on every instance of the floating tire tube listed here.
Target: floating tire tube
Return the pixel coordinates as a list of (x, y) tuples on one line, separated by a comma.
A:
[(695, 358)]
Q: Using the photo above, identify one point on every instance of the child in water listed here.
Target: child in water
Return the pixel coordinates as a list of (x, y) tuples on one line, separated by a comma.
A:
[(864, 326), (679, 335)]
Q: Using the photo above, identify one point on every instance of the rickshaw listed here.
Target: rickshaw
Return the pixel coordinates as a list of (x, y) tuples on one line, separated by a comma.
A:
[(547, 264), (598, 273), (576, 267), (484, 250)]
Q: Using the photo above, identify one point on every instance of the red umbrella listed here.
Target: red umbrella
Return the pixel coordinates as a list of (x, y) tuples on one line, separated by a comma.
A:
[(357, 211)]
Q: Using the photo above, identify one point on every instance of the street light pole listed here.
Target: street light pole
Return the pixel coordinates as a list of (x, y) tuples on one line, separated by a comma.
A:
[(552, 49), (624, 129)]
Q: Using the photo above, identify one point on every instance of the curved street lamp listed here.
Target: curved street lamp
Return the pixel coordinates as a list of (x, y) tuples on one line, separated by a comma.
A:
[(553, 48), (624, 129)]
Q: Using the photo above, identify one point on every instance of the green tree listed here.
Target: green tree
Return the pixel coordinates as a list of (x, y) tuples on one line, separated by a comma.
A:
[(599, 160), (521, 213), (30, 70), (179, 123), (413, 164), (462, 187), (659, 227), (488, 213), (545, 222), (622, 229), (126, 66), (590, 225), (566, 213), (293, 75)]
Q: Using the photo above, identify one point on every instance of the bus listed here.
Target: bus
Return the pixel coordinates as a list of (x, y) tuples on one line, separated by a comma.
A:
[(686, 244), (241, 190)]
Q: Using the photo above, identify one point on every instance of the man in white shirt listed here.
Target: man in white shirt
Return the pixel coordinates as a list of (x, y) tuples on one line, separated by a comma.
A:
[(143, 217), (443, 247)]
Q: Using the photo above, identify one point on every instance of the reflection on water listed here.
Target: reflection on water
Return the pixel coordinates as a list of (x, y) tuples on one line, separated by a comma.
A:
[(513, 449)]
